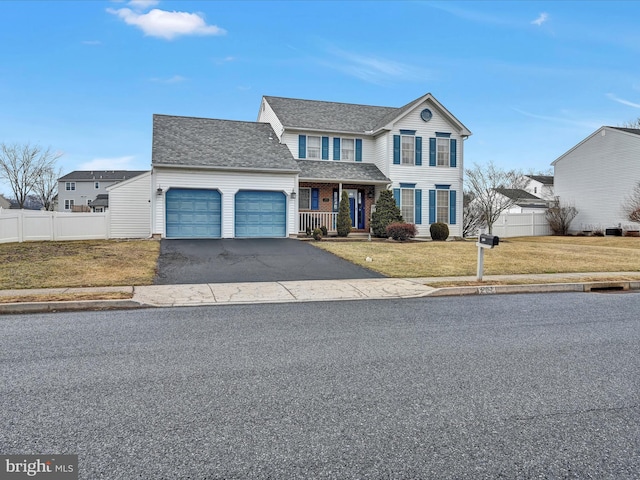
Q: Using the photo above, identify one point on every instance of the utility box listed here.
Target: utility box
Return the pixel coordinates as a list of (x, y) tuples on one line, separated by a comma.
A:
[(488, 241)]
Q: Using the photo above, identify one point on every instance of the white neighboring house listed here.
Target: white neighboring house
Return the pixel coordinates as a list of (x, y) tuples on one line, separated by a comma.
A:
[(596, 175), (79, 189), (540, 186), (272, 178), (4, 203)]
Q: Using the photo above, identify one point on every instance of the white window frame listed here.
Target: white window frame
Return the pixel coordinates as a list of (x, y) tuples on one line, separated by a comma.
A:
[(96, 185), (307, 191), (408, 208), (407, 155), (69, 203), (443, 152), (348, 154), (314, 152), (442, 206), (70, 186)]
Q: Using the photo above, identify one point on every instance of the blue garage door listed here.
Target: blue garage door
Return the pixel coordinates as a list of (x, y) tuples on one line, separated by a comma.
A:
[(261, 214), (193, 213)]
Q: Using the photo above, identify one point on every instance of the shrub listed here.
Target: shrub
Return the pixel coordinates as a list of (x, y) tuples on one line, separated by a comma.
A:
[(598, 233), (344, 217), (308, 231), (317, 234), (324, 230), (401, 231), (439, 231), (387, 212), (560, 217)]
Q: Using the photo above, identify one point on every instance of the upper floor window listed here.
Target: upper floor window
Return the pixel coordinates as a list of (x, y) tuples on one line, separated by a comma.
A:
[(408, 150), (96, 185), (313, 147), (443, 153), (68, 186), (348, 149)]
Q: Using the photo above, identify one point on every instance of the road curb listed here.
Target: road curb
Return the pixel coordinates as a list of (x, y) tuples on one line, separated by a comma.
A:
[(69, 306), (535, 288)]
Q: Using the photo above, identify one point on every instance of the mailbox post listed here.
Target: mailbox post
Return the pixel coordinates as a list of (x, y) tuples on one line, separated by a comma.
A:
[(484, 241)]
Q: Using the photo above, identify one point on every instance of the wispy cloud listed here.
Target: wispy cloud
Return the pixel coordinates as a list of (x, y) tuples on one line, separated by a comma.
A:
[(143, 4), (374, 69), (611, 96), (164, 24), (117, 163), (559, 119), (468, 14), (170, 80), (542, 18)]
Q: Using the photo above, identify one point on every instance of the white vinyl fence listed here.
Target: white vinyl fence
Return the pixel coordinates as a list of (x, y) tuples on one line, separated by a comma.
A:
[(531, 224), (32, 225)]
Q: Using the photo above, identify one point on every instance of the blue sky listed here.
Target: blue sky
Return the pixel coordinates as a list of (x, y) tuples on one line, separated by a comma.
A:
[(529, 79)]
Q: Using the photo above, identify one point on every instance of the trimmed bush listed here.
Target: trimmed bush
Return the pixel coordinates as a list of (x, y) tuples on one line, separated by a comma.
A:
[(344, 217), (324, 230), (308, 231), (401, 231), (317, 234), (439, 231), (387, 212)]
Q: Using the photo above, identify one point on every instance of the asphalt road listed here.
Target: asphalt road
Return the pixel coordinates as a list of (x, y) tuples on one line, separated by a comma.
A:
[(250, 260), (517, 386)]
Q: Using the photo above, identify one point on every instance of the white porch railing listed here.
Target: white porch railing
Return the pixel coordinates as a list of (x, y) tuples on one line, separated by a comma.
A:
[(317, 220)]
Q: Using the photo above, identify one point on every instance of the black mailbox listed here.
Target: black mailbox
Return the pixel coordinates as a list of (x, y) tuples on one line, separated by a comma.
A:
[(489, 240)]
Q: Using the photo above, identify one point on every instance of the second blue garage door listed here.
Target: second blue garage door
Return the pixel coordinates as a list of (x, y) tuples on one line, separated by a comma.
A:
[(260, 214)]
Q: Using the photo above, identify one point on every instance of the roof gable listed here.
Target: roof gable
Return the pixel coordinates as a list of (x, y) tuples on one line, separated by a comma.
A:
[(632, 133), (212, 143)]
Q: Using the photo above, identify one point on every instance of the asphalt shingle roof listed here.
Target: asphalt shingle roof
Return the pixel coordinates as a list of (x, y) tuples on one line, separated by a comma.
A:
[(516, 194), (330, 116), (544, 179), (102, 200), (635, 131), (113, 175), (206, 142), (340, 171)]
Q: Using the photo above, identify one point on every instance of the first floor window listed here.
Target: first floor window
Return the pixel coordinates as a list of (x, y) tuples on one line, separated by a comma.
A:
[(348, 149), (68, 204), (313, 147), (304, 199), (408, 152), (70, 186), (443, 152), (407, 204), (442, 206)]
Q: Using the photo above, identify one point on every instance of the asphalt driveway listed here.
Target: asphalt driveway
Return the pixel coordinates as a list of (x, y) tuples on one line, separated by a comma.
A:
[(250, 260)]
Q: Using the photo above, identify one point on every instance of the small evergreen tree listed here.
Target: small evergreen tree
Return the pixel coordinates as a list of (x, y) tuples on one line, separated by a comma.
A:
[(387, 212), (344, 217)]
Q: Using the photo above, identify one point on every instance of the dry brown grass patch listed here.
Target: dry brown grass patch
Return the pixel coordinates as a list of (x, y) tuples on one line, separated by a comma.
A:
[(65, 297)]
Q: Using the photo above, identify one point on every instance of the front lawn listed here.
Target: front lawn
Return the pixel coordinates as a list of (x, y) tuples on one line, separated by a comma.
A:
[(87, 263), (520, 255)]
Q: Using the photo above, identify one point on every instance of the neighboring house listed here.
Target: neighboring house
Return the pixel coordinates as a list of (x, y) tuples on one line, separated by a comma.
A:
[(540, 185), (523, 201), (596, 175), (79, 189), (273, 178), (100, 204), (4, 203)]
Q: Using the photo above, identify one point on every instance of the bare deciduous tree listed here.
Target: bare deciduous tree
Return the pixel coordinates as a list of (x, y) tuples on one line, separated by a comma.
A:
[(632, 124), (23, 165), (471, 216), (46, 187), (483, 182), (631, 204), (560, 217)]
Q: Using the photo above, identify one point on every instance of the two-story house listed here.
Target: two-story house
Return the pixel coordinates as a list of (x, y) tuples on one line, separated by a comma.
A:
[(83, 190), (287, 171)]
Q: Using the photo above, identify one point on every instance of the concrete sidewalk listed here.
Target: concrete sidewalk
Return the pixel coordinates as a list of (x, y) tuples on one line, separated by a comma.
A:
[(318, 290)]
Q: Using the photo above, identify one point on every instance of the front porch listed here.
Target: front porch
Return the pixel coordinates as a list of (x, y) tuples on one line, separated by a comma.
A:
[(319, 203)]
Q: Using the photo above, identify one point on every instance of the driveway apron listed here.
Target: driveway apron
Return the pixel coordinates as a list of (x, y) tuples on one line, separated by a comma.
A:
[(250, 260)]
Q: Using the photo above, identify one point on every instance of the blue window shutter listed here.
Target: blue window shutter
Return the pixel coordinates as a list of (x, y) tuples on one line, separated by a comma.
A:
[(336, 149), (358, 149), (432, 206), (396, 196), (302, 146), (452, 207), (418, 151), (315, 194), (452, 152), (396, 149), (432, 153), (325, 148), (418, 202)]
